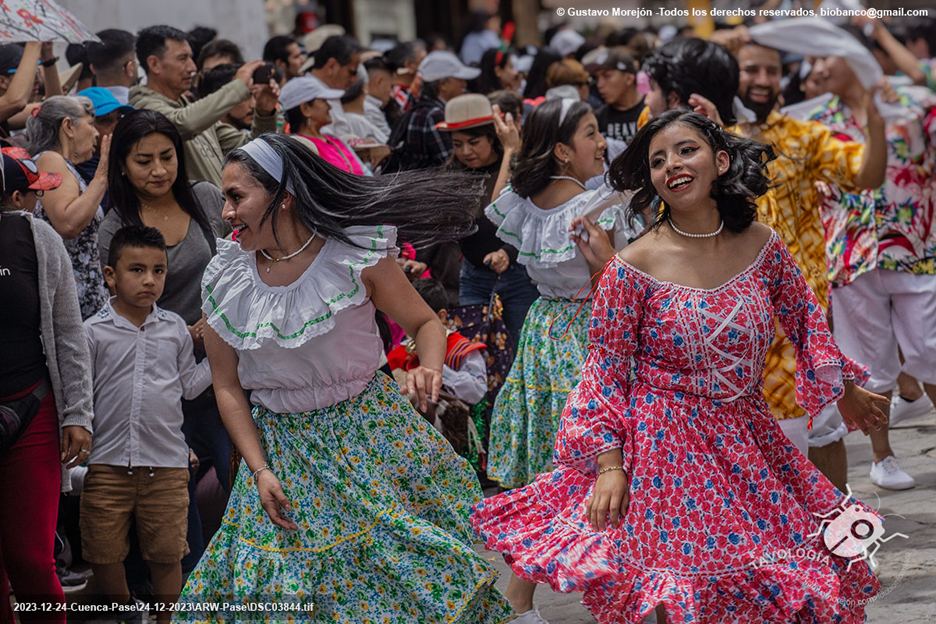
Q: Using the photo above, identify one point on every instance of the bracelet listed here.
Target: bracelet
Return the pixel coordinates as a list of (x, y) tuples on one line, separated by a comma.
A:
[(259, 470), (51, 62), (609, 469)]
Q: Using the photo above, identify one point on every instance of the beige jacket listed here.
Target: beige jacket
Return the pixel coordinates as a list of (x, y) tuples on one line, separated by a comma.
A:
[(206, 138)]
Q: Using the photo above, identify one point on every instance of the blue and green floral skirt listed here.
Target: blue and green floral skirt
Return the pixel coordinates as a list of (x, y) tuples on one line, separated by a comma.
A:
[(553, 346), (382, 504)]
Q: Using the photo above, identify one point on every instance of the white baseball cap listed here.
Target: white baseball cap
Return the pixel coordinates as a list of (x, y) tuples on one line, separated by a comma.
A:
[(305, 89), (441, 64), (566, 41)]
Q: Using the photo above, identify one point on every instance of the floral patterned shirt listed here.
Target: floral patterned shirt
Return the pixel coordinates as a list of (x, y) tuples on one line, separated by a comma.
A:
[(83, 250), (890, 227)]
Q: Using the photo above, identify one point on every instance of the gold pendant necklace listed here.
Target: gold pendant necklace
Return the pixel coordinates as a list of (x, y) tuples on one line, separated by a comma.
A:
[(151, 209)]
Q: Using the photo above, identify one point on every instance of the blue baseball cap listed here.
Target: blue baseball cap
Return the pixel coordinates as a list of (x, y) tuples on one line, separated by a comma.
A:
[(104, 101)]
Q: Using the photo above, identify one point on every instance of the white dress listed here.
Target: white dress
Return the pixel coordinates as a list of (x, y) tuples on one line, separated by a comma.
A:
[(380, 497)]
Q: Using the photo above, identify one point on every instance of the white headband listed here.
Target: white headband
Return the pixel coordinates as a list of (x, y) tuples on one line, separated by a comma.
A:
[(268, 159), (566, 105)]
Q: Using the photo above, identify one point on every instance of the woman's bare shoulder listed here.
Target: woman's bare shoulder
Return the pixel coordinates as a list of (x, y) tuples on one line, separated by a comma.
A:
[(643, 253)]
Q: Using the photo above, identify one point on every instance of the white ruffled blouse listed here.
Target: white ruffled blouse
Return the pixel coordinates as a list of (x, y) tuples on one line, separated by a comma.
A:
[(310, 344), (551, 258)]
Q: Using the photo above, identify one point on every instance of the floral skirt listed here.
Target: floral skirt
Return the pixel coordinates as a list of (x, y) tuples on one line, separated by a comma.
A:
[(553, 346), (382, 504), (727, 523)]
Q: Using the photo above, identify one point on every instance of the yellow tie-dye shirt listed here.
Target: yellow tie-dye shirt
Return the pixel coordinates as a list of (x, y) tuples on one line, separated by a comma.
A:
[(806, 151)]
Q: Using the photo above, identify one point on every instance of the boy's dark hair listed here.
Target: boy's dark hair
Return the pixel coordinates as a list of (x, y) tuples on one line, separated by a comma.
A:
[(108, 54), (138, 236), (687, 66), (151, 41), (277, 48), (217, 78), (433, 293), (734, 191), (338, 47), (509, 102), (354, 92), (399, 54), (220, 47)]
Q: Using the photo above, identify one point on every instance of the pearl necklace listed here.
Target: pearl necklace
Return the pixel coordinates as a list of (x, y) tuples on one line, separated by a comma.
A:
[(292, 255), (576, 180), (687, 234)]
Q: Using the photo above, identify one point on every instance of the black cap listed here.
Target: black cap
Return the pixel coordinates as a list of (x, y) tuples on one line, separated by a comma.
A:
[(10, 56), (615, 59)]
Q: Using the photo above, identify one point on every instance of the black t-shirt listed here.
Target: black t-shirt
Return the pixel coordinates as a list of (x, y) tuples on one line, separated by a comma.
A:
[(24, 363), (619, 124)]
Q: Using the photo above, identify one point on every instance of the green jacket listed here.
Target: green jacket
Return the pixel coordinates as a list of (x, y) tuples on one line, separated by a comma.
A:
[(206, 138)]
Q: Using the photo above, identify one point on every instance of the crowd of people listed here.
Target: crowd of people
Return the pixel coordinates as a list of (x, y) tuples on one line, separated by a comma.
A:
[(272, 324)]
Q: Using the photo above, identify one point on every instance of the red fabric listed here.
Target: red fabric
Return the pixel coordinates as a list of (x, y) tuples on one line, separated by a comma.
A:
[(30, 482), (457, 348)]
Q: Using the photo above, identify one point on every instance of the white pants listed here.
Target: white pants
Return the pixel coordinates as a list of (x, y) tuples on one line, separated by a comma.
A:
[(881, 311)]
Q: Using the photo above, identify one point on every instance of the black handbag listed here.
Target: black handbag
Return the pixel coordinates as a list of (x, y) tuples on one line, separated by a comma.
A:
[(15, 416)]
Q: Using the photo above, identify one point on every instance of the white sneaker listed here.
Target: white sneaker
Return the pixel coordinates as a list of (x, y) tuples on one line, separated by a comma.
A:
[(902, 409), (888, 475), (530, 617)]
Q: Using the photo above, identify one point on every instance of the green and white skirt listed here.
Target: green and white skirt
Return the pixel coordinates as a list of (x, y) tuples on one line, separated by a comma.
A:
[(382, 504), (529, 407)]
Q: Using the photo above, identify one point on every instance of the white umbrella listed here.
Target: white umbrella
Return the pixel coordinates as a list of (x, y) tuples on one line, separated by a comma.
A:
[(40, 20)]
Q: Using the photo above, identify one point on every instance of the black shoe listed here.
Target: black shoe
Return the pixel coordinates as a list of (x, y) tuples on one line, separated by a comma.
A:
[(71, 581)]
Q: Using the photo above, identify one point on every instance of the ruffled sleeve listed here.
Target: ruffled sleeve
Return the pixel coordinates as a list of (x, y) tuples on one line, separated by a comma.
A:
[(542, 236), (821, 368), (246, 313), (593, 419)]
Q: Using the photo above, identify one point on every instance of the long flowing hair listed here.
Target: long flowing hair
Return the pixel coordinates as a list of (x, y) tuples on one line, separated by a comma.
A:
[(132, 128), (426, 206)]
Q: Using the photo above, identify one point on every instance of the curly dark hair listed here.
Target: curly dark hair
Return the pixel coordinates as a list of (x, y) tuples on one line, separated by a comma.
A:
[(734, 191)]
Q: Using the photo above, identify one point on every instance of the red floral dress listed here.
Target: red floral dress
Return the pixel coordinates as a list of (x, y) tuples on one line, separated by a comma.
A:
[(722, 506)]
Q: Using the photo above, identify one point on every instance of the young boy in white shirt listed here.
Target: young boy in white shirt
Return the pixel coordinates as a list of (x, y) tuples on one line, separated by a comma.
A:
[(143, 365)]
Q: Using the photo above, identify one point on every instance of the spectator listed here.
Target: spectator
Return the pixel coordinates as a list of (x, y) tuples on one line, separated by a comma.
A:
[(241, 116), (483, 33), (107, 112), (305, 100), (114, 62), (567, 78), (535, 91), (284, 52), (16, 80), (336, 62), (41, 325), (23, 183), (166, 57), (379, 93), (416, 141), (75, 54), (921, 37), (566, 42), (617, 84), (314, 40), (199, 37), (403, 60), (218, 52), (356, 120), (497, 72), (60, 136)]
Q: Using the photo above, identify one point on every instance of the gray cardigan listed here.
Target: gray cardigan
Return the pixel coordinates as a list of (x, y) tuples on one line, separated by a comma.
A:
[(63, 337)]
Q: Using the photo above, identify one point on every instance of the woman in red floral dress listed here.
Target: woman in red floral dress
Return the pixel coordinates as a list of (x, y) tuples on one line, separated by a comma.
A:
[(674, 487)]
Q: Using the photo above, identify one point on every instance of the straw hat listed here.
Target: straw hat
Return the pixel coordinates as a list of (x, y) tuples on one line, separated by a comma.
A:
[(466, 111)]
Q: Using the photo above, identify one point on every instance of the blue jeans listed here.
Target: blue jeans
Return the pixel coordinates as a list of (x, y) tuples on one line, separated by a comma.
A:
[(515, 289)]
